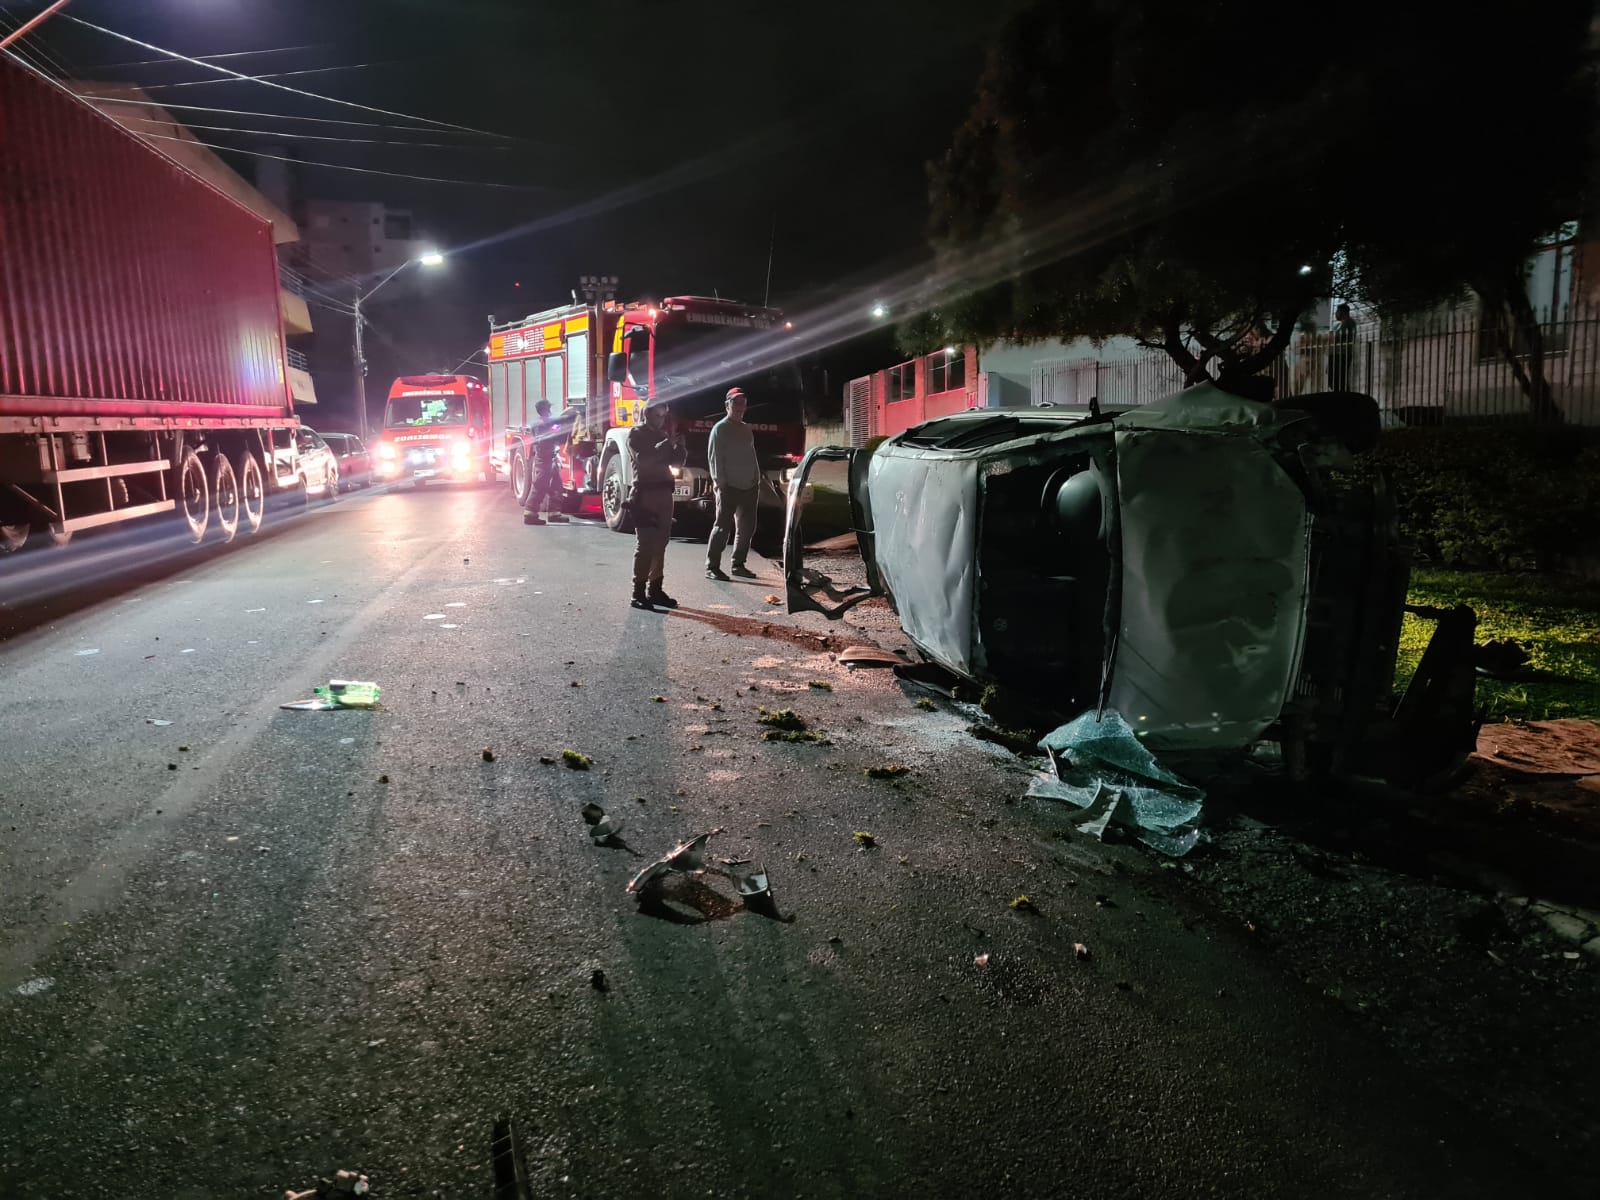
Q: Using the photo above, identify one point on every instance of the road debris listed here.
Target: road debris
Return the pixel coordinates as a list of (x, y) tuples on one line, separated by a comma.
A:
[(576, 761), (1025, 905), (783, 718), (773, 600), (601, 826), (864, 839), (687, 857), (340, 693), (154, 721), (488, 754), (926, 705), (1080, 951), (546, 761), (893, 771), (1100, 765), (981, 960), (658, 699), (598, 981), (753, 885), (821, 685), (868, 656), (383, 779)]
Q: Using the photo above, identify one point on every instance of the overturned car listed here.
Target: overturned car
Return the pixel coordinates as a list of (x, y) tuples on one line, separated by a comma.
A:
[(1210, 567)]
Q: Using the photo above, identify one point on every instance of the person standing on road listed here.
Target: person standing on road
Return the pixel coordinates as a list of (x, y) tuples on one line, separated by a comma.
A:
[(736, 475), (544, 481), (653, 450)]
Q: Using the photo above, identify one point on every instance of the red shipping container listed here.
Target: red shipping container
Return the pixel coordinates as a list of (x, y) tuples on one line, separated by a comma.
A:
[(129, 287)]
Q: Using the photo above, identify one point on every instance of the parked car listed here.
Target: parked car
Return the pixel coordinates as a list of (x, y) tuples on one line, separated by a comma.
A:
[(355, 461), (319, 466), (1208, 566)]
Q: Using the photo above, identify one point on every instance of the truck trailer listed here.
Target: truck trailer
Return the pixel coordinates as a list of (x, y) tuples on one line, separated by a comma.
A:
[(142, 366)]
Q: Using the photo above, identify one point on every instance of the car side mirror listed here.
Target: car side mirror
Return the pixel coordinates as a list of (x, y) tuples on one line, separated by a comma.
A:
[(617, 368)]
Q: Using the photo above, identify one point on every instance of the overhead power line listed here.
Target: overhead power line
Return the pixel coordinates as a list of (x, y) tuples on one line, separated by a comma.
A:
[(319, 137), (282, 87), (262, 78), (156, 62), (265, 116), (305, 162)]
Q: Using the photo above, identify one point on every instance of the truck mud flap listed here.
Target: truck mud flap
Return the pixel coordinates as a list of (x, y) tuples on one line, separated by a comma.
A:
[(806, 590)]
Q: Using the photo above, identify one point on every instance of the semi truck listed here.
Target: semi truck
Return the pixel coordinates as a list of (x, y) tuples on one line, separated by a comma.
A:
[(601, 364), (142, 365)]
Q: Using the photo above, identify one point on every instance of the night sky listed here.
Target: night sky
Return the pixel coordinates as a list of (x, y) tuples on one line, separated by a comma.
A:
[(662, 141)]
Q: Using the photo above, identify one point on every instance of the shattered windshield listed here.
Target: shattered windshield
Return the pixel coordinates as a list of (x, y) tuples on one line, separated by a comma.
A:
[(426, 410)]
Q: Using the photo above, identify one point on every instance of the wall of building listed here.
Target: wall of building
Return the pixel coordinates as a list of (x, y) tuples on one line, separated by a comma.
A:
[(363, 239)]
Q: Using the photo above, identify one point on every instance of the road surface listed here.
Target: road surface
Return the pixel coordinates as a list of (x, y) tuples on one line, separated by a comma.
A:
[(242, 947)]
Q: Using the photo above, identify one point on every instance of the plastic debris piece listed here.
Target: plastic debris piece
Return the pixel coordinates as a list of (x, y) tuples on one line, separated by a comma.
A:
[(86, 653), (753, 885), (591, 813), (1080, 951), (868, 656), (981, 960), (315, 704), (1101, 766), (153, 721), (773, 600), (685, 858), (576, 761)]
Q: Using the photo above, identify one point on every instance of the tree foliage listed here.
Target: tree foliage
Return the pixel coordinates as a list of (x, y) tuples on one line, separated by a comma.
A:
[(1168, 170)]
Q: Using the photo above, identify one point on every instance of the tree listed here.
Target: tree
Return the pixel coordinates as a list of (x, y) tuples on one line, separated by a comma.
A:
[(1186, 174)]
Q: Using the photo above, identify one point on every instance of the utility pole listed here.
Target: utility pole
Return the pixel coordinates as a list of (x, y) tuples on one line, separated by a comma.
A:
[(361, 374), (772, 244)]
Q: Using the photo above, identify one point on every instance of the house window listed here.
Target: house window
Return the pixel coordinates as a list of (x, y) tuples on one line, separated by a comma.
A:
[(903, 381), (397, 227), (947, 371)]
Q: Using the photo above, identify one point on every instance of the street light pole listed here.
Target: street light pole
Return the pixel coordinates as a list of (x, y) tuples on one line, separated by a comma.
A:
[(431, 259)]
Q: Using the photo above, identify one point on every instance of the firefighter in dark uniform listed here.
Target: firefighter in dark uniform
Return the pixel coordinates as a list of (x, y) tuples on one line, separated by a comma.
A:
[(544, 481), (653, 450)]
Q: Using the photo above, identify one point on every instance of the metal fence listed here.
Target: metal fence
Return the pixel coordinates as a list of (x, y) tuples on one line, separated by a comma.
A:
[(297, 359), (1446, 368)]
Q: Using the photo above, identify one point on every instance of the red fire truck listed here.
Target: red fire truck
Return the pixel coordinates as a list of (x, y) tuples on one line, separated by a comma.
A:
[(599, 365)]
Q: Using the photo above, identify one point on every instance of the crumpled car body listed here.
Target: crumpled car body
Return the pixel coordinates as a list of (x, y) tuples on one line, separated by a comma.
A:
[(1207, 566)]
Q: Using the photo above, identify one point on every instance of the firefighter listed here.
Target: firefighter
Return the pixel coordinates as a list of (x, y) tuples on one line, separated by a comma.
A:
[(544, 481), (653, 450), (736, 475)]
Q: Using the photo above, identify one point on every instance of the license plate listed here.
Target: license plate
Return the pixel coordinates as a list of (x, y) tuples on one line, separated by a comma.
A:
[(683, 489), (425, 474)]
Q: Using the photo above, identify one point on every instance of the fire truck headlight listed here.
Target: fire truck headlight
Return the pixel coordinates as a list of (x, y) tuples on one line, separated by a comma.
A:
[(386, 451)]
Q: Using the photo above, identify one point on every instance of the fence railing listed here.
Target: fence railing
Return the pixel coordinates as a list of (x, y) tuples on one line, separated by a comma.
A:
[(297, 360), (1433, 370)]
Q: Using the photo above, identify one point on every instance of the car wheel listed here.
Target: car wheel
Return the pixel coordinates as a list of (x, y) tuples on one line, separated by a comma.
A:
[(330, 488), (612, 494), (519, 475)]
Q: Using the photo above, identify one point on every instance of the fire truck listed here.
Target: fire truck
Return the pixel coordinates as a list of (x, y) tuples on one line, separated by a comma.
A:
[(601, 364)]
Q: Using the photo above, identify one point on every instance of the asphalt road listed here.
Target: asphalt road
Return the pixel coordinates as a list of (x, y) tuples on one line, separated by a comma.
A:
[(246, 948)]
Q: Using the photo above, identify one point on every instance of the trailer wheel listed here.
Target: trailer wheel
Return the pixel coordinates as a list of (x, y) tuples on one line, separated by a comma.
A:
[(13, 538), (612, 493), (519, 474), (252, 491), (225, 487), (194, 495)]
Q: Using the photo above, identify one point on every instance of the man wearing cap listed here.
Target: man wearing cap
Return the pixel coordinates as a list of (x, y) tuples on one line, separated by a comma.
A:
[(736, 474)]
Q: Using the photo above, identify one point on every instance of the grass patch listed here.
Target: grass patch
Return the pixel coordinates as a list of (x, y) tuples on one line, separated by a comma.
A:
[(1554, 618), (797, 736), (927, 705), (576, 761), (781, 718)]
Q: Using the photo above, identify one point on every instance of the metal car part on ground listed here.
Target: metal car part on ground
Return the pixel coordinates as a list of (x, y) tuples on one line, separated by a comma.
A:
[(1207, 566)]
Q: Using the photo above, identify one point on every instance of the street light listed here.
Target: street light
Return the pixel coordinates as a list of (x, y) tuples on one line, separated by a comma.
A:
[(431, 258), (880, 311)]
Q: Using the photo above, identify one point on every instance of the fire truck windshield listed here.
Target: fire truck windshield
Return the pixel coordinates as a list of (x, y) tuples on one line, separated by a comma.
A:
[(690, 358), (407, 411)]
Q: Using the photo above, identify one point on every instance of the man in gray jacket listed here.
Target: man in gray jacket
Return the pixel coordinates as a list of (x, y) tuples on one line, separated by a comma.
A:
[(653, 451), (736, 474)]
